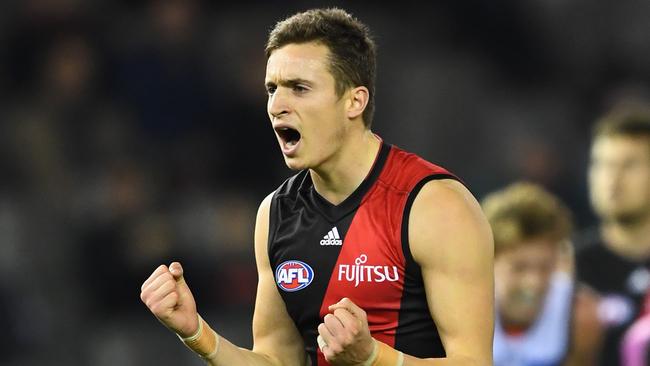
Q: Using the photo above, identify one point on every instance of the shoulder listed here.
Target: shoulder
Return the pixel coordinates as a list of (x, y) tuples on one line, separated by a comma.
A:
[(262, 220), (265, 207), (446, 201), (446, 216), (588, 329), (407, 171), (292, 185), (441, 195), (288, 192), (585, 305)]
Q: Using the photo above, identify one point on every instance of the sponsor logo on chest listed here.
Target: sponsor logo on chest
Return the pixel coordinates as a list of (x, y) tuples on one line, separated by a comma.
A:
[(361, 272)]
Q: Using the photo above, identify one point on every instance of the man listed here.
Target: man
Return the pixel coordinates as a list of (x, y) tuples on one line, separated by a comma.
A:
[(369, 255), (539, 321), (615, 260)]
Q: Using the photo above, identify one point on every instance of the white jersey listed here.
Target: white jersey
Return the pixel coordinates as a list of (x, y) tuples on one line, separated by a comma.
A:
[(546, 342)]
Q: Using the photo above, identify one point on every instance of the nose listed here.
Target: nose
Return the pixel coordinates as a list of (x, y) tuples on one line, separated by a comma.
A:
[(535, 280), (278, 104)]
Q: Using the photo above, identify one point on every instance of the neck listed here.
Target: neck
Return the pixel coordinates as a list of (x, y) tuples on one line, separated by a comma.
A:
[(628, 239), (343, 173)]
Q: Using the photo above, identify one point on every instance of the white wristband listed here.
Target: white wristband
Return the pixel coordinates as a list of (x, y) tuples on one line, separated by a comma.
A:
[(195, 335), (373, 354), (205, 342), (384, 355)]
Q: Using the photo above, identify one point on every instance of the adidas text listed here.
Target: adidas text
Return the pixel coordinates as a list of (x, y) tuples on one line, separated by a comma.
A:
[(331, 242), (332, 238)]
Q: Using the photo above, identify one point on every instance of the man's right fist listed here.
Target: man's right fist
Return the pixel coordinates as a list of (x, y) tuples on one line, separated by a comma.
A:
[(169, 298)]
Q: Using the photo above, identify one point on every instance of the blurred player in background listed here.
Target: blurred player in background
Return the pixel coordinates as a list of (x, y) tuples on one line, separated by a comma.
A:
[(542, 317), (615, 259), (368, 256)]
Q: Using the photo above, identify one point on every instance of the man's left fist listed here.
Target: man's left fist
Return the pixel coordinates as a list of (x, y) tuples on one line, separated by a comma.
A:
[(344, 336)]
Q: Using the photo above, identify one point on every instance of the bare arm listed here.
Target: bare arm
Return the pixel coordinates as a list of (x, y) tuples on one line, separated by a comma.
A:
[(451, 240), (276, 340), (587, 332)]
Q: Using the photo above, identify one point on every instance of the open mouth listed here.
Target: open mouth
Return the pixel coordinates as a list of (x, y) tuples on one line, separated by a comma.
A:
[(288, 135)]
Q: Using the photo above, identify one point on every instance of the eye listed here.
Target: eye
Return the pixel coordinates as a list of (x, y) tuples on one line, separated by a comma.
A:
[(270, 89), (298, 88)]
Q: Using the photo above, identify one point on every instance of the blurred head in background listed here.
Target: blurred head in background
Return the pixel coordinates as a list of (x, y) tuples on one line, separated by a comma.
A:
[(619, 172), (174, 20), (530, 228), (68, 68)]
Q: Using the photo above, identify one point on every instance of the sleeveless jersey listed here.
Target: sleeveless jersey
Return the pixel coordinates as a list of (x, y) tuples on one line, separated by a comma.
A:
[(358, 249), (622, 288), (546, 342)]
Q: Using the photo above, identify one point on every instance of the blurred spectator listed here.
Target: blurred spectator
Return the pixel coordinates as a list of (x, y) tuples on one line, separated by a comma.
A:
[(542, 316), (160, 71), (619, 181)]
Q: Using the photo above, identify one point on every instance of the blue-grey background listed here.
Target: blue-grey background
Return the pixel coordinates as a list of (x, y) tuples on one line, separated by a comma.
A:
[(133, 133)]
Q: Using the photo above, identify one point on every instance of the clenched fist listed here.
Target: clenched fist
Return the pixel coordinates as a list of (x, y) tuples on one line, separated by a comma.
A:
[(169, 298), (344, 337)]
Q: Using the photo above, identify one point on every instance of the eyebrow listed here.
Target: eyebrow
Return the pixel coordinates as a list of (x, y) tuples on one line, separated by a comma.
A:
[(289, 82)]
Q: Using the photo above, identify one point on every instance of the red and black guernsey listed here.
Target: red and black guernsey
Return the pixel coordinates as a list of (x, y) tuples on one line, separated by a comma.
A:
[(358, 249)]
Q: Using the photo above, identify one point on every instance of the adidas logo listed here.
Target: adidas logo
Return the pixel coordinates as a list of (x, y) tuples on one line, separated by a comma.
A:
[(332, 238)]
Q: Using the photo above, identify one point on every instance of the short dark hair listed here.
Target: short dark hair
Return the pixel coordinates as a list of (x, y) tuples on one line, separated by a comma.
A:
[(632, 121), (352, 59)]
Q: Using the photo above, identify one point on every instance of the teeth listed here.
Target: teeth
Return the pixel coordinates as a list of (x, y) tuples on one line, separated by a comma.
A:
[(291, 143)]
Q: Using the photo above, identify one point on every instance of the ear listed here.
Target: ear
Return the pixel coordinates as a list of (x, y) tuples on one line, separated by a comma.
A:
[(358, 100)]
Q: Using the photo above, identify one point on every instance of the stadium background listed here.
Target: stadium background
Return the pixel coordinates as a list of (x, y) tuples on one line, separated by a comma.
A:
[(134, 132)]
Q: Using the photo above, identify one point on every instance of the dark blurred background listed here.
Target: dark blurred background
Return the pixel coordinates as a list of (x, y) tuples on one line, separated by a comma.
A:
[(134, 133)]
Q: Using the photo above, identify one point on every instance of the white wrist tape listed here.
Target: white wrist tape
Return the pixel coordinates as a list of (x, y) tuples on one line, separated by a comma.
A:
[(205, 342), (384, 355)]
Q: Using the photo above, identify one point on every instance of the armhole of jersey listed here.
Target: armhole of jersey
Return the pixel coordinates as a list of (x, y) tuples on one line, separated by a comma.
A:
[(272, 224), (406, 248)]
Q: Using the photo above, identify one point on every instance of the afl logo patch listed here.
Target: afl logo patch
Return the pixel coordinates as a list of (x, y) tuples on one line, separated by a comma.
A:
[(293, 275)]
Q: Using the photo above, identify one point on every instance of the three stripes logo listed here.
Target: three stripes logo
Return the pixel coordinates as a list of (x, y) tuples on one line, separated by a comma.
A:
[(332, 238)]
